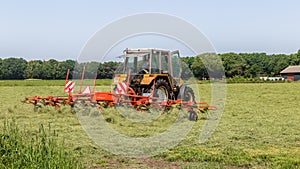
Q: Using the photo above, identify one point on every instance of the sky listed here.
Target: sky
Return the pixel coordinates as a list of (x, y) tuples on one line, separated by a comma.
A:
[(59, 30)]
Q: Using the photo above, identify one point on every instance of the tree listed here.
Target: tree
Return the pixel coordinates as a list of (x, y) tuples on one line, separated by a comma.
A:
[(91, 69), (63, 67), (34, 69), (254, 63), (188, 61), (283, 62), (234, 64), (106, 70), (50, 69), (198, 68), (1, 76), (186, 64), (13, 68), (295, 58)]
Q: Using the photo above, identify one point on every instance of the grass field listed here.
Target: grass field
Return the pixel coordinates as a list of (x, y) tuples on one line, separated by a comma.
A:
[(259, 129)]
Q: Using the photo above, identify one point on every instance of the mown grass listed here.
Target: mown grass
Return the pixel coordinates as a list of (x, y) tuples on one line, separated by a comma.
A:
[(259, 129)]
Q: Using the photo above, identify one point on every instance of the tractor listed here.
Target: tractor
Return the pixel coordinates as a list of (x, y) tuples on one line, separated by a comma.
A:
[(154, 71)]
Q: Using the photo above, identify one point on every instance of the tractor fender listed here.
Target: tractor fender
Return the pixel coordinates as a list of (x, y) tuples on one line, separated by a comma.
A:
[(181, 91), (147, 80)]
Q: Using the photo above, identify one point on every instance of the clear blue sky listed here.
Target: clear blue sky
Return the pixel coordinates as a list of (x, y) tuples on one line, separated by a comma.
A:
[(59, 29)]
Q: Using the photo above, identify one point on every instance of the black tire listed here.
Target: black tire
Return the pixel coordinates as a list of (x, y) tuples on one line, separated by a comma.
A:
[(193, 116), (36, 108), (162, 90), (189, 94)]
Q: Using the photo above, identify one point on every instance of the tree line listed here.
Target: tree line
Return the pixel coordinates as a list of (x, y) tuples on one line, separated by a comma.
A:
[(18, 68), (245, 65), (235, 64)]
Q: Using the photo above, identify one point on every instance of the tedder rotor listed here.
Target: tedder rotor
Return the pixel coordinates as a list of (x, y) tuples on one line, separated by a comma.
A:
[(149, 78)]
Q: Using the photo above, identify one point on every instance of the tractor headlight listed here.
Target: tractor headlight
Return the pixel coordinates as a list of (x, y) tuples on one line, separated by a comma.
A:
[(116, 80)]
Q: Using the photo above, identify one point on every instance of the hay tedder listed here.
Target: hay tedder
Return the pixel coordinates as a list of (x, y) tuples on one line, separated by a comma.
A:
[(149, 78)]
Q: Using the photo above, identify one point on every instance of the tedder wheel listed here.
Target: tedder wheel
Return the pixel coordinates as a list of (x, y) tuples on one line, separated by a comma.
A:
[(162, 90), (193, 116), (189, 94)]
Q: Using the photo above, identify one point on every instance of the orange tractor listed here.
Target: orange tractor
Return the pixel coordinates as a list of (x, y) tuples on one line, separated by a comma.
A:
[(149, 78)]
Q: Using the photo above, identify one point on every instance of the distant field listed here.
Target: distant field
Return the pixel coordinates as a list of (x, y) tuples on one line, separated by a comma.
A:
[(34, 82), (259, 128)]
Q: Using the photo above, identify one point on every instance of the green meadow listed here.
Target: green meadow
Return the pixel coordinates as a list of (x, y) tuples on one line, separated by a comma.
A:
[(259, 129)]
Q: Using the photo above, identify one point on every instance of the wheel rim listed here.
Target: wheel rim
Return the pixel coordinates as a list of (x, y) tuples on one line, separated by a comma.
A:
[(162, 94), (189, 97)]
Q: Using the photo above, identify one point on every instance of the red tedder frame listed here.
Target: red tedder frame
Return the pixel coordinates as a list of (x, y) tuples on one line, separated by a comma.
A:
[(110, 99)]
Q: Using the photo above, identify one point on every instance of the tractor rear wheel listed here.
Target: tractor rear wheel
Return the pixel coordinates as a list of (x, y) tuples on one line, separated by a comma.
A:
[(162, 90), (189, 94)]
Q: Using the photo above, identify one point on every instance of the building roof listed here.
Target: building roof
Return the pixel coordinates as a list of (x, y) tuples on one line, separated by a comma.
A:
[(291, 69)]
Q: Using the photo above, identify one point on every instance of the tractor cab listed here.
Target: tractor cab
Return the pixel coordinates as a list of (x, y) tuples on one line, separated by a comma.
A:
[(154, 60), (147, 67)]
